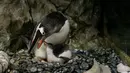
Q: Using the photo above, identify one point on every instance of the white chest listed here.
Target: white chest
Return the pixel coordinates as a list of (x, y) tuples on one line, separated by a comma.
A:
[(41, 52)]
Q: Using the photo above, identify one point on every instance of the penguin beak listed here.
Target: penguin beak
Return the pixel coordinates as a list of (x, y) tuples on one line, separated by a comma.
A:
[(39, 43), (36, 36)]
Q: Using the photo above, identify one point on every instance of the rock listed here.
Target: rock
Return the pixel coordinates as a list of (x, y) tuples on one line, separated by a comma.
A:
[(60, 5), (4, 39), (105, 69), (81, 61), (14, 71), (39, 69), (19, 18), (98, 68), (76, 11), (95, 68), (22, 50), (33, 69), (12, 61), (4, 61), (15, 15), (122, 68), (27, 65), (1, 68), (40, 9)]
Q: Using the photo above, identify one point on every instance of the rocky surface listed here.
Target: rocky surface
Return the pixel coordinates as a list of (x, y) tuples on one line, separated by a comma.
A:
[(4, 61), (24, 63), (107, 57), (80, 62), (18, 17)]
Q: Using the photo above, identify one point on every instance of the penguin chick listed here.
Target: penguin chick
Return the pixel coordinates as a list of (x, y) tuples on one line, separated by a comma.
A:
[(40, 50), (58, 53)]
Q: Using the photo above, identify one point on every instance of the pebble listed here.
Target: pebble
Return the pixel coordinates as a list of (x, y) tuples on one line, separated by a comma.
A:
[(22, 50), (39, 69), (81, 60), (12, 61), (14, 71), (33, 69)]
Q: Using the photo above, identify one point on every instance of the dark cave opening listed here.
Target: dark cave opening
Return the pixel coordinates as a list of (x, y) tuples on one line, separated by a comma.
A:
[(115, 22)]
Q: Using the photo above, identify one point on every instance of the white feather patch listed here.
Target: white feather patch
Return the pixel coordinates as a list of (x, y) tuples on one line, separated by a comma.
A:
[(36, 31), (40, 52)]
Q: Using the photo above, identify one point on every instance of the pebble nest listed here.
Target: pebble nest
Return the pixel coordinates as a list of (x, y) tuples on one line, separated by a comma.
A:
[(82, 60)]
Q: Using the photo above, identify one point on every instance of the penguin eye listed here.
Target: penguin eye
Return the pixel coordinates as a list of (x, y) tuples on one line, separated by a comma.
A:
[(41, 29)]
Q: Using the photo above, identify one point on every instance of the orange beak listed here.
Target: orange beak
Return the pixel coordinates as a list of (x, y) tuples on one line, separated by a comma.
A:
[(40, 43)]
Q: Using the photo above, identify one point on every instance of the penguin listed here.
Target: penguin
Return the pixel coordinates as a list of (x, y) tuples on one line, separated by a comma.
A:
[(39, 50), (59, 37), (53, 28), (58, 53)]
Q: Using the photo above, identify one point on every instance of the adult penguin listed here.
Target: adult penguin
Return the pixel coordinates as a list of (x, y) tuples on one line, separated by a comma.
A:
[(53, 28)]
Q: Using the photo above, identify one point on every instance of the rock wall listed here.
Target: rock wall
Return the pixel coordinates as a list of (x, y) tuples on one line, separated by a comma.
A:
[(19, 18), (117, 21), (88, 18)]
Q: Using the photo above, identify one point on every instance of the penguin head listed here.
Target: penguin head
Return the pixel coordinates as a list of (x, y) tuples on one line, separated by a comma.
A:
[(50, 24), (40, 29)]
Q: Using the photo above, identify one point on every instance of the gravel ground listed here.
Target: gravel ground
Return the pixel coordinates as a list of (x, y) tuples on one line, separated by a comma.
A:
[(81, 61)]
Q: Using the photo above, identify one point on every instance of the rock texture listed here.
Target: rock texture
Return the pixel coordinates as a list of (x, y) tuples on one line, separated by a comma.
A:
[(89, 19), (81, 61), (4, 61), (19, 17)]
